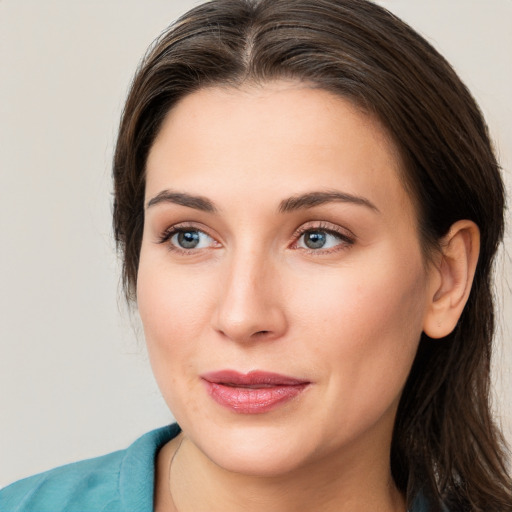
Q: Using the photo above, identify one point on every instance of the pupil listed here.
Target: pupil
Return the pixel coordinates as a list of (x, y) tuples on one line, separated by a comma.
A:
[(188, 239), (315, 239)]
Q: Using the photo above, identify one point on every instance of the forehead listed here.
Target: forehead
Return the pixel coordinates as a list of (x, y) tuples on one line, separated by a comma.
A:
[(283, 136)]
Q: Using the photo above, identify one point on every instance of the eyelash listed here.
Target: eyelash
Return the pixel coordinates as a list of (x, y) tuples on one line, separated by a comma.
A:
[(167, 235), (345, 239)]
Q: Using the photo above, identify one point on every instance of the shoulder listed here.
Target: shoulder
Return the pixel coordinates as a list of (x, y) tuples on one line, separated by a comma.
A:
[(119, 481), (86, 483)]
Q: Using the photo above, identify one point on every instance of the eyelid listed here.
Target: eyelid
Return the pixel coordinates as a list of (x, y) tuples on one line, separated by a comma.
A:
[(168, 233), (347, 238)]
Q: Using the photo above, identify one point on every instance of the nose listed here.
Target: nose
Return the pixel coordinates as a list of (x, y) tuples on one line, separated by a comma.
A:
[(249, 307)]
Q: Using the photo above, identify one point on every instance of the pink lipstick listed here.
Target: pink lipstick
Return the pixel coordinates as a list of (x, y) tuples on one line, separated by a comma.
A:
[(253, 393)]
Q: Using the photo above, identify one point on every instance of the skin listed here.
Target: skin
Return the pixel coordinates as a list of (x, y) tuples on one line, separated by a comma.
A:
[(347, 318)]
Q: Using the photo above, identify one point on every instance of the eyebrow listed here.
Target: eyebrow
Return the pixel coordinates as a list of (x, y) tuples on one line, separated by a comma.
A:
[(312, 199), (298, 202), (183, 199)]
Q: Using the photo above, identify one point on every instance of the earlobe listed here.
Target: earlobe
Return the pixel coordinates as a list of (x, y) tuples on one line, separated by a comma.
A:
[(452, 278)]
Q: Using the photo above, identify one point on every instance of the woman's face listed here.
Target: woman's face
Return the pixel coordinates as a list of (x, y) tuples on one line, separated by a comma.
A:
[(279, 240)]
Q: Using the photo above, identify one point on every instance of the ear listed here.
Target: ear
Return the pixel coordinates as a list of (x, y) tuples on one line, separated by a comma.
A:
[(451, 278)]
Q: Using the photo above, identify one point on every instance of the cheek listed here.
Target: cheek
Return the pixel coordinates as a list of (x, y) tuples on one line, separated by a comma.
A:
[(365, 345), (172, 302), (174, 309), (366, 322)]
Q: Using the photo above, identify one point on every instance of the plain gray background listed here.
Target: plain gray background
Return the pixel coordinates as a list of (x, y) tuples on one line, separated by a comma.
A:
[(74, 377)]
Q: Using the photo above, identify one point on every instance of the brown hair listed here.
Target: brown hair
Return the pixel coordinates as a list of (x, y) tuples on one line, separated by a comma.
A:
[(445, 444)]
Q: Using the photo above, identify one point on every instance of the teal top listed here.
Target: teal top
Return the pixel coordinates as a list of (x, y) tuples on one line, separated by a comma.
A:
[(121, 481)]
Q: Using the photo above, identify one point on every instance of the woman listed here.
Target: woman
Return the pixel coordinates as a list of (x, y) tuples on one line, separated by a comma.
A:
[(308, 209)]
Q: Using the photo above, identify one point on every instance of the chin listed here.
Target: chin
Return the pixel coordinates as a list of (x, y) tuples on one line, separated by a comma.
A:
[(254, 450), (264, 462)]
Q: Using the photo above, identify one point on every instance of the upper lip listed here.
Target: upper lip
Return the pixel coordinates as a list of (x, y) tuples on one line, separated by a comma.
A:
[(253, 378)]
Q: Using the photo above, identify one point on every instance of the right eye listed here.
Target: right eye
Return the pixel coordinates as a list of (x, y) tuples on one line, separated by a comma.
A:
[(187, 239)]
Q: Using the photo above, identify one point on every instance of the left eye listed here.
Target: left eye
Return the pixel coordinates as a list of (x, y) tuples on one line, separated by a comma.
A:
[(319, 239), (191, 239)]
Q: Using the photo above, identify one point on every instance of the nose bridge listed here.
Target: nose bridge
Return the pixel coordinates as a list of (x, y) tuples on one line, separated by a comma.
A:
[(249, 307)]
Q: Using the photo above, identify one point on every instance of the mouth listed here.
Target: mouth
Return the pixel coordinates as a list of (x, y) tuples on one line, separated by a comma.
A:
[(255, 392)]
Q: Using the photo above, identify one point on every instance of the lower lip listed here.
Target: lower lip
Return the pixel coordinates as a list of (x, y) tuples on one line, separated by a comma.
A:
[(244, 400)]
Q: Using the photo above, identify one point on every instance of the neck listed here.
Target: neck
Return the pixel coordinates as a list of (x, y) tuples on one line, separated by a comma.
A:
[(342, 484)]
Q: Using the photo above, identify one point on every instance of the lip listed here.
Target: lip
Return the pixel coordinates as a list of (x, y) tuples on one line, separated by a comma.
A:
[(255, 392)]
